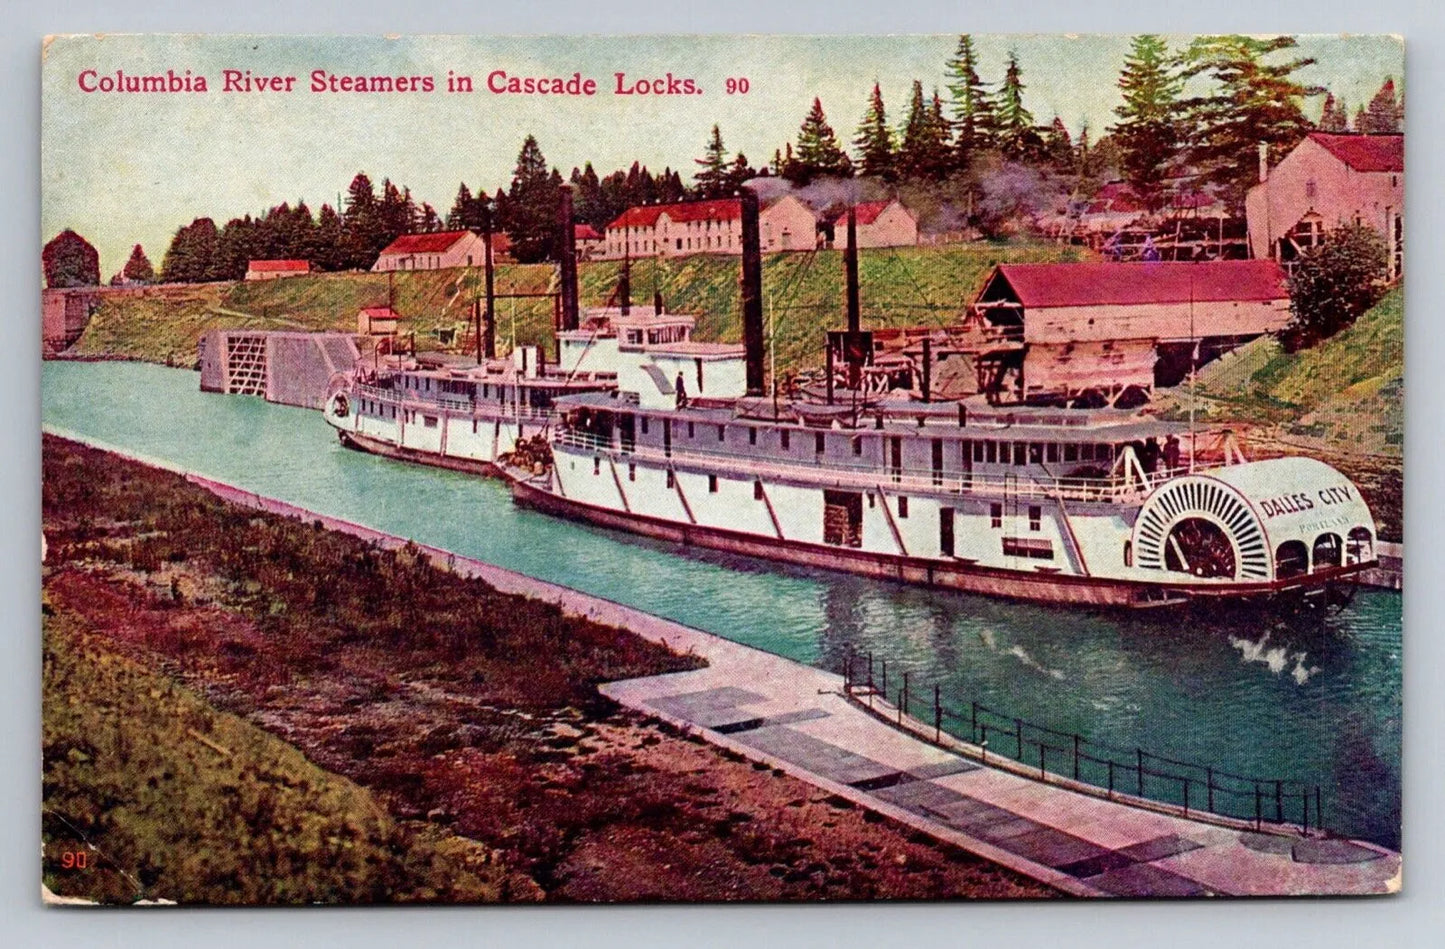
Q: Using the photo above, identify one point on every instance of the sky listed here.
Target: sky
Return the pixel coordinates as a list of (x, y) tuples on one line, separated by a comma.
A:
[(122, 169)]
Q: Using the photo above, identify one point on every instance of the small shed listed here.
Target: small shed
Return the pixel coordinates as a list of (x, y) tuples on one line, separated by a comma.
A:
[(272, 269), (377, 321)]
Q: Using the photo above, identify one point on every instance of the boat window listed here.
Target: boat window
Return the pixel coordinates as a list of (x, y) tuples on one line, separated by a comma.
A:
[(818, 441), (1071, 452), (1036, 515), (1020, 456), (757, 490), (631, 471), (992, 452), (1359, 546), (902, 506), (720, 432), (712, 484), (643, 420), (690, 432), (1128, 553), (596, 465), (671, 478), (1053, 451), (1086, 452), (1034, 549), (1291, 559), (752, 435), (945, 531), (857, 444), (995, 515), (1328, 551), (978, 451), (1036, 453), (783, 434)]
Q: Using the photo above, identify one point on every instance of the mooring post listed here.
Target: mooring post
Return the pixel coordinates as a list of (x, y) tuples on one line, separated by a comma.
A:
[(1111, 779), (884, 690), (973, 726), (1279, 802), (1076, 756), (1186, 797), (1209, 788), (1140, 766), (937, 715), (1019, 738), (903, 699)]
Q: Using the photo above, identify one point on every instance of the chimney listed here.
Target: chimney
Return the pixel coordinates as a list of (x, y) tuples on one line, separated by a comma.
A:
[(1263, 162), (487, 324), (567, 254), (850, 269), (752, 293)]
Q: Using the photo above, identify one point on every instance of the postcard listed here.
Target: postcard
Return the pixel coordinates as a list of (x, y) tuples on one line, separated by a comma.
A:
[(721, 468)]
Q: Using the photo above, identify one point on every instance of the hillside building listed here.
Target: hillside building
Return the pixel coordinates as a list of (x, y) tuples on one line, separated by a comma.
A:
[(879, 224), (708, 227), (272, 269), (434, 251), (1328, 180)]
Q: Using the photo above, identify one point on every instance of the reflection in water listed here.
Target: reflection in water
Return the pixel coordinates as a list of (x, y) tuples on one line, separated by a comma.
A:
[(1313, 697)]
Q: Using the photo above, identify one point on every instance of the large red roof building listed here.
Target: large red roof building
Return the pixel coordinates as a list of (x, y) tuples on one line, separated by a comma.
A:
[(1325, 181), (708, 227), (271, 269), (880, 224)]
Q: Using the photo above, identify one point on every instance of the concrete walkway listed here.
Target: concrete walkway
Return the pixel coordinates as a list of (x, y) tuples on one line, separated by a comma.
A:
[(797, 718)]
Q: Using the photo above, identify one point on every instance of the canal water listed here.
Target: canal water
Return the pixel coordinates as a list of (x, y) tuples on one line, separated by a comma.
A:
[(1312, 699)]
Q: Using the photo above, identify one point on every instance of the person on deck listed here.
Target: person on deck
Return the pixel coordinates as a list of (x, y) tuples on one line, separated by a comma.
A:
[(680, 387)]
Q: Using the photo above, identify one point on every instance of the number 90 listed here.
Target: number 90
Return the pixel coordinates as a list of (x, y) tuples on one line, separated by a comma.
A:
[(736, 86)]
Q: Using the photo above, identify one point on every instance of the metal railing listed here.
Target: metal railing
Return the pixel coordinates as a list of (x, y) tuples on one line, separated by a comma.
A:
[(486, 408), (924, 481), (1116, 771)]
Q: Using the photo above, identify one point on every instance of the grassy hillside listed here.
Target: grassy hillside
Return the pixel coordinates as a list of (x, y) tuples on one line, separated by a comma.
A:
[(803, 293), (165, 797), (1346, 394)]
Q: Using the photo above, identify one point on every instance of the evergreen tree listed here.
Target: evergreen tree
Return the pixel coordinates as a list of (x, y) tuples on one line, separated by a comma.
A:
[(1252, 101), (363, 227), (461, 207), (1334, 117), (531, 219), (69, 260), (1059, 146), (738, 173), (973, 116), (712, 179), (1147, 132), (428, 219), (874, 141), (138, 268), (1018, 138), (329, 240), (924, 152), (1383, 116), (819, 154), (193, 256)]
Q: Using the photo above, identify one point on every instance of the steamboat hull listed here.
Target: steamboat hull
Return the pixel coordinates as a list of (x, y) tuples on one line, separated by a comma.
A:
[(375, 446), (961, 575)]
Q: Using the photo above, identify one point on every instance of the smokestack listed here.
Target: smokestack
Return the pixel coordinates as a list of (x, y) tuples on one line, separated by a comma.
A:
[(567, 254), (1263, 162), (850, 268), (487, 330), (752, 293), (624, 287), (927, 369)]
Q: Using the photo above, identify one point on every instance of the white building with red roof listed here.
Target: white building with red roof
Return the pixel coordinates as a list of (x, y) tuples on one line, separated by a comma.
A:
[(589, 243), (708, 227), (1325, 181), (271, 269), (880, 224), (433, 251)]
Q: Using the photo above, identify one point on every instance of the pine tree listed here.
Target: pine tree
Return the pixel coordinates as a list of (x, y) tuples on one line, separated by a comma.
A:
[(874, 141), (924, 152), (69, 260), (738, 173), (531, 219), (712, 180), (363, 228), (1252, 101), (1059, 146), (329, 240), (1018, 138), (973, 116), (1334, 117), (1382, 116), (1147, 132), (456, 217), (819, 154)]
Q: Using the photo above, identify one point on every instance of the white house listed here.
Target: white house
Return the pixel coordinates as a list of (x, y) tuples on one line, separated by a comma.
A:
[(433, 251), (880, 224)]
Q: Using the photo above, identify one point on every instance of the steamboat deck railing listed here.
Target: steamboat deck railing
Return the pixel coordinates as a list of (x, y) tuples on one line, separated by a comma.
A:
[(831, 471), (1115, 771), (488, 408)]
